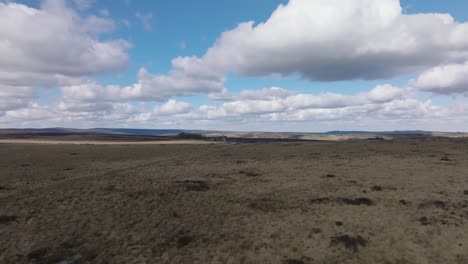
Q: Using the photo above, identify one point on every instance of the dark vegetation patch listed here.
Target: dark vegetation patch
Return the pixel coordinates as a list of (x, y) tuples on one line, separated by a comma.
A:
[(5, 188), (249, 173), (465, 192), (293, 261), (445, 158), (73, 154), (377, 188), (376, 139), (191, 136), (424, 221), (179, 240), (330, 176), (434, 203), (110, 188), (215, 175), (195, 186), (338, 223), (343, 200), (24, 165), (38, 254), (316, 230), (405, 203), (65, 253), (176, 215), (351, 243), (441, 219), (6, 219), (264, 205), (337, 157), (320, 200), (67, 169), (461, 204), (183, 238), (356, 201), (314, 155)]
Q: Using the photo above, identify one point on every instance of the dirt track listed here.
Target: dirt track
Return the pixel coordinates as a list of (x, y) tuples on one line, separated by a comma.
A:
[(352, 202)]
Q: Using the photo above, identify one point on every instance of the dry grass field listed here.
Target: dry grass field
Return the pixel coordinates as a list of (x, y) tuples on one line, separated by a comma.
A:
[(402, 201)]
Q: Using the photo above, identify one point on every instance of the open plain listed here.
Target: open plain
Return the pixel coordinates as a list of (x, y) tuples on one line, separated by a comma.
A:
[(392, 201)]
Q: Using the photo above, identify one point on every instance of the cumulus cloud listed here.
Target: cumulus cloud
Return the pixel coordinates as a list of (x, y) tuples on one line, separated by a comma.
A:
[(291, 102), (330, 40), (277, 102), (75, 114), (178, 83), (54, 45), (12, 98), (148, 88), (447, 79), (386, 106), (172, 107), (398, 109), (95, 98), (262, 94)]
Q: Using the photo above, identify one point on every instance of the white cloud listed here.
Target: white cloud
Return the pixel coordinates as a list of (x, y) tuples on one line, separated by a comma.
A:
[(26, 115), (278, 102), (182, 45), (447, 79), (329, 40), (177, 83), (262, 94), (146, 20), (281, 100), (53, 45), (75, 114), (126, 23), (274, 99), (83, 4), (12, 98), (148, 88), (104, 12), (172, 107), (383, 107), (19, 92)]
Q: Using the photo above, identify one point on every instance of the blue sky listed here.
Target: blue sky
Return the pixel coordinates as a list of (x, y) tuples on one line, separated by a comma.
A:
[(370, 66)]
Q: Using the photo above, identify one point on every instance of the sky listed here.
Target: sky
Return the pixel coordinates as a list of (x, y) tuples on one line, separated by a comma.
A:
[(264, 65)]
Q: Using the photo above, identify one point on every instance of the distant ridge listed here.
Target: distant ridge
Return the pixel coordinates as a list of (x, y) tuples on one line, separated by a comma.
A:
[(61, 130), (397, 132), (159, 132)]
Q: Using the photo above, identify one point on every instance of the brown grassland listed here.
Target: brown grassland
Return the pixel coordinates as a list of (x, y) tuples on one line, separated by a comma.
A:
[(396, 201)]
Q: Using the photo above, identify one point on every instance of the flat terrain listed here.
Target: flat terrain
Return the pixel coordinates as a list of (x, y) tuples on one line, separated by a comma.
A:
[(403, 201)]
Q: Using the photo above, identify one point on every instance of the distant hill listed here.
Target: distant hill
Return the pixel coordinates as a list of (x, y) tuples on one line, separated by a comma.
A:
[(403, 132), (143, 132), (265, 135), (125, 131)]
